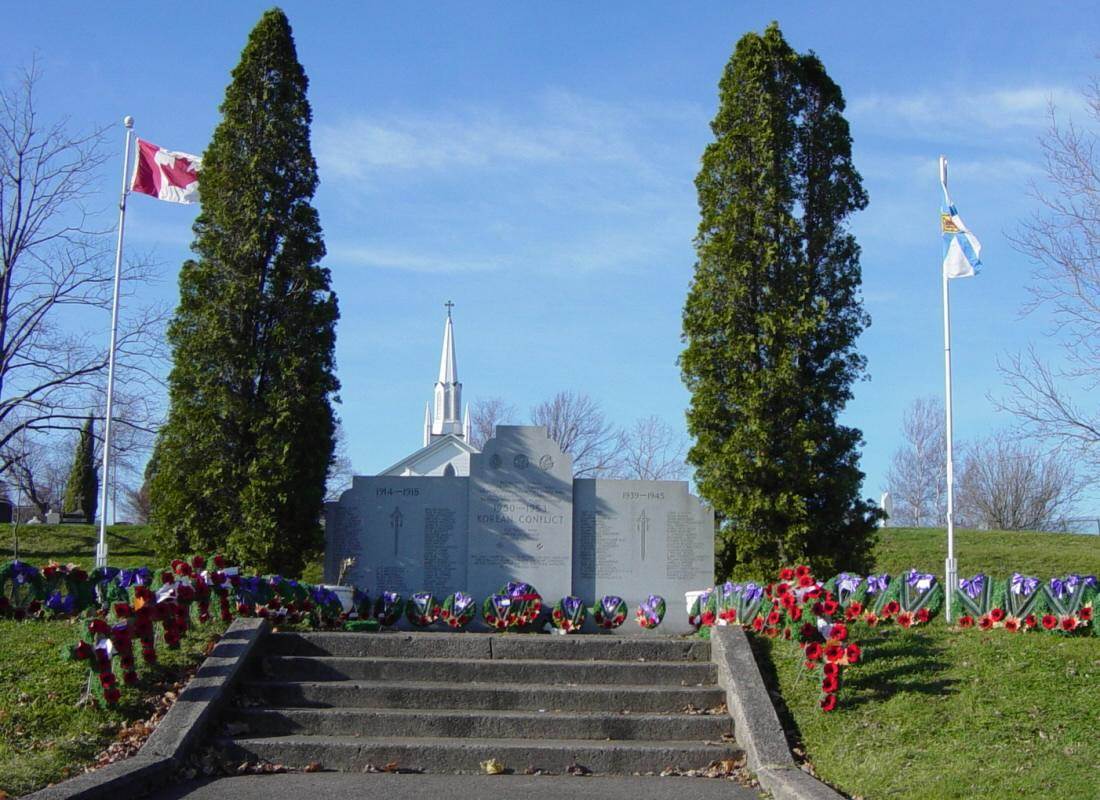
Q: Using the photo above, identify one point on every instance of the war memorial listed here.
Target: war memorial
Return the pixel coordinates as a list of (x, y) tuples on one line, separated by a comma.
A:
[(450, 518)]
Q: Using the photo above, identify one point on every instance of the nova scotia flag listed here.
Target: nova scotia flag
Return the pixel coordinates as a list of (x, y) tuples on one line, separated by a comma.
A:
[(961, 249)]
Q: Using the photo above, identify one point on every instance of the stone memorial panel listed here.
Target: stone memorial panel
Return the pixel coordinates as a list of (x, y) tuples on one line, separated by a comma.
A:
[(406, 534), (521, 513), (636, 538)]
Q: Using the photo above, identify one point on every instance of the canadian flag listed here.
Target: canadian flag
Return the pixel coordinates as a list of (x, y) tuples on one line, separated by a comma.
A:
[(166, 175)]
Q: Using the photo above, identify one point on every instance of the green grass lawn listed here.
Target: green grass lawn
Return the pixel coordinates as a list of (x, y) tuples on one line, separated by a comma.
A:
[(938, 713), (44, 736)]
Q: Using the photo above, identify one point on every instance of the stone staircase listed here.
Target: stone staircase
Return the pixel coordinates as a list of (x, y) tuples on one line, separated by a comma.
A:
[(444, 702)]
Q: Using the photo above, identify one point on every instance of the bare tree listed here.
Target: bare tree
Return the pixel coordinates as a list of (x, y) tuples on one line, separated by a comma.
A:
[(56, 279), (1008, 485), (136, 504), (341, 471), (916, 478), (653, 451), (577, 423), (39, 474), (485, 415), (1063, 241)]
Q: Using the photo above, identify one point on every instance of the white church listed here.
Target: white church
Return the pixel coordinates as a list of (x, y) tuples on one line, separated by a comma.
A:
[(446, 449)]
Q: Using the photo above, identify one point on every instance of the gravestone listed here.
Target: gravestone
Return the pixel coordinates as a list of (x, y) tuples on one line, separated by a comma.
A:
[(521, 513), (521, 516)]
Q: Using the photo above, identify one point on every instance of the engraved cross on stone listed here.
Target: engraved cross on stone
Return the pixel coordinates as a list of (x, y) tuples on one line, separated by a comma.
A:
[(643, 528), (396, 521), (449, 306)]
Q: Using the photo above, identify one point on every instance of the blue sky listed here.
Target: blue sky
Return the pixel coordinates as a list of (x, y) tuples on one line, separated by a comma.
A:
[(534, 164)]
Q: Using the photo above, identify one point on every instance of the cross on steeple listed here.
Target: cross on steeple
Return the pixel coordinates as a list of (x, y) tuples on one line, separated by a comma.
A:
[(449, 306)]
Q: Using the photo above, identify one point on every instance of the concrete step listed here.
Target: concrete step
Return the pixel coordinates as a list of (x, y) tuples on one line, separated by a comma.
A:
[(462, 755), (467, 646), (530, 671), (412, 694), (478, 724)]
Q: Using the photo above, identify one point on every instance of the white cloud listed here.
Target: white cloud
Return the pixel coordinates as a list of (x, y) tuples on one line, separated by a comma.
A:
[(559, 127), (408, 260), (960, 112)]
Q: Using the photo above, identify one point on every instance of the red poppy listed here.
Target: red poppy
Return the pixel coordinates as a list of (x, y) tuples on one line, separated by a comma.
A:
[(966, 621), (828, 702), (871, 618), (813, 651), (1029, 621), (923, 615), (830, 668), (786, 633), (82, 650), (830, 684), (786, 574), (853, 653), (805, 581), (818, 608), (557, 614), (129, 677), (905, 619), (1050, 622), (729, 615), (839, 632), (801, 570), (1085, 613), (98, 626), (708, 617), (796, 614), (985, 622), (997, 614), (167, 577), (112, 695), (811, 665), (757, 623), (892, 608), (106, 679), (830, 607), (782, 589), (1012, 625), (490, 618), (198, 562), (773, 618), (1069, 623), (834, 652)]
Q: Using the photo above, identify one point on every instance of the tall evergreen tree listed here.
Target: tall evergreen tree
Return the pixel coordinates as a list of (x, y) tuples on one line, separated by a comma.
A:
[(242, 460), (82, 488), (772, 317)]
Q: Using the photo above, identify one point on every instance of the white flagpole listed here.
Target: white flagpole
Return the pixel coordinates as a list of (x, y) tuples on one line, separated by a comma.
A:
[(101, 546), (951, 569)]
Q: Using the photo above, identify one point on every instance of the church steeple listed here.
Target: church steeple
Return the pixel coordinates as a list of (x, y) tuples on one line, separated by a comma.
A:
[(445, 415)]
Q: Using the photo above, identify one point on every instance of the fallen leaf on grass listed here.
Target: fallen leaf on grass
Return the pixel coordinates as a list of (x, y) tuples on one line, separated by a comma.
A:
[(578, 769), (312, 766)]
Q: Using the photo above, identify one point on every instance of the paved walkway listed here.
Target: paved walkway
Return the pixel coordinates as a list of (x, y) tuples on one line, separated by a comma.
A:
[(457, 787)]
